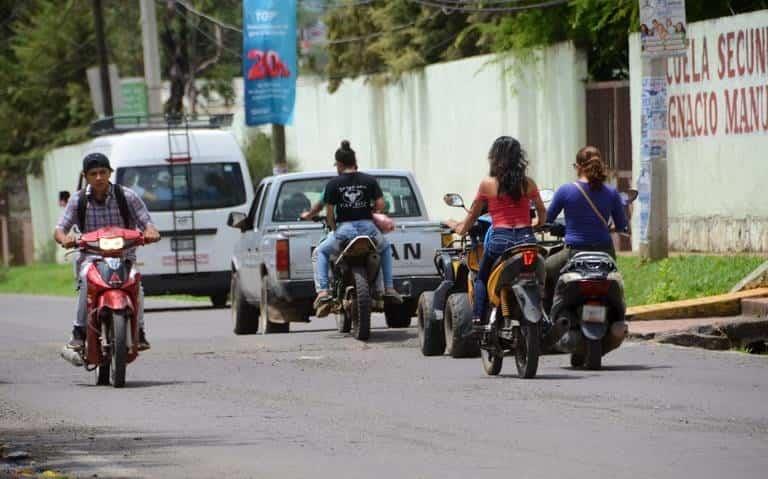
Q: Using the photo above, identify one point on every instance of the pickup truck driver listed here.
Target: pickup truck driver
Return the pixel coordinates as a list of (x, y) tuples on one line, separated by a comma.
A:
[(350, 200)]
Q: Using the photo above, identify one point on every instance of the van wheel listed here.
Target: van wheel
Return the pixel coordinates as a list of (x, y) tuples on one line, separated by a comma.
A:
[(398, 315), (245, 316), (219, 300), (265, 325), (459, 340), (431, 335)]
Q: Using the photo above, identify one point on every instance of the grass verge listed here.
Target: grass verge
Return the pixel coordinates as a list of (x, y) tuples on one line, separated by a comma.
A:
[(678, 277), (51, 280), (682, 277)]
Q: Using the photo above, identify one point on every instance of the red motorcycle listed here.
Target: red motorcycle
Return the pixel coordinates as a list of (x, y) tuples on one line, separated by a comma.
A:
[(112, 332)]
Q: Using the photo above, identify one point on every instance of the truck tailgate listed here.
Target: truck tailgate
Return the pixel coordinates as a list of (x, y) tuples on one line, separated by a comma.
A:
[(413, 247)]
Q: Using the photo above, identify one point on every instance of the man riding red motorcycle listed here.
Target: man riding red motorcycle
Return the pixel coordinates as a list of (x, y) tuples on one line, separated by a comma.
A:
[(99, 205)]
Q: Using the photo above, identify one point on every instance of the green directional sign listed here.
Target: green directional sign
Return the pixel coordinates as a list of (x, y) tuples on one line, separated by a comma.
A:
[(134, 93)]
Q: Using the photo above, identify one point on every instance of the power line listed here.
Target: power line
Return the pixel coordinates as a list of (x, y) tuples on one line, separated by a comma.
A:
[(455, 6)]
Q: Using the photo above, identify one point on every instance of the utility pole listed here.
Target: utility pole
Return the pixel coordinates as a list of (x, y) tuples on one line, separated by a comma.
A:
[(280, 162), (152, 75), (101, 43), (656, 245)]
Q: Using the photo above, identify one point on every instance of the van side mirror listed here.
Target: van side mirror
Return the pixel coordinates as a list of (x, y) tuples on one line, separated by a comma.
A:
[(454, 199), (63, 198), (237, 220)]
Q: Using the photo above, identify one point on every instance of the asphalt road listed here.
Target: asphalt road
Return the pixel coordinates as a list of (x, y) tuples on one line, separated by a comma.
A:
[(206, 403)]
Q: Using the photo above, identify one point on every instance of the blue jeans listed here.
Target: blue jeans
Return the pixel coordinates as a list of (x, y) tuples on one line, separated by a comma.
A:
[(500, 240), (346, 231)]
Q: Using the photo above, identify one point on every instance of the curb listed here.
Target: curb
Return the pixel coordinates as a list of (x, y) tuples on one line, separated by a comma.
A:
[(728, 334)]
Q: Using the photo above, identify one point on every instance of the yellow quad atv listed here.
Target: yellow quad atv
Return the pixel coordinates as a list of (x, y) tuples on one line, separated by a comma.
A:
[(445, 315)]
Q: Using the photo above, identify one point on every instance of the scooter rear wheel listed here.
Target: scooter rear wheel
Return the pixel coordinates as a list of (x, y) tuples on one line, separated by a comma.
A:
[(593, 361), (527, 350)]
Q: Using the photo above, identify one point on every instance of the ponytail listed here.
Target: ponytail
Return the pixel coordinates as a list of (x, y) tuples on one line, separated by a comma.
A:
[(590, 164)]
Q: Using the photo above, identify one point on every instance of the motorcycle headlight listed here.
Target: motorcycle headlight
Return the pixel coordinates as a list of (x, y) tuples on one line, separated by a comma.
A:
[(111, 244)]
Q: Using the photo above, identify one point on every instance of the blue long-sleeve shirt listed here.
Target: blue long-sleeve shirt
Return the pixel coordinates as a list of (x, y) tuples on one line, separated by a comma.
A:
[(582, 226)]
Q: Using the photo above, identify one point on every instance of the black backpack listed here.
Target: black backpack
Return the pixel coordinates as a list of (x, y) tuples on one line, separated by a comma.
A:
[(122, 205)]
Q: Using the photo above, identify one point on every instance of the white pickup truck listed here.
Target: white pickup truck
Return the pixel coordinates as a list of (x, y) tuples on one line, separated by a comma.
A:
[(272, 274)]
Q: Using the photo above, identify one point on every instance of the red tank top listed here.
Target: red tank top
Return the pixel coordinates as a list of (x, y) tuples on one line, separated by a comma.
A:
[(508, 213)]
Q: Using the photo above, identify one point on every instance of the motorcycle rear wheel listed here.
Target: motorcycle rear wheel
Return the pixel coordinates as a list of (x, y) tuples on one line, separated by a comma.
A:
[(527, 350), (361, 306)]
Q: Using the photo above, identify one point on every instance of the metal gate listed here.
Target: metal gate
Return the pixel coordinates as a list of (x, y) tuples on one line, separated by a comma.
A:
[(609, 128)]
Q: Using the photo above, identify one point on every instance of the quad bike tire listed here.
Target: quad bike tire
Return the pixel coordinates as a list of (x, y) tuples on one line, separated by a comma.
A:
[(459, 341), (431, 334)]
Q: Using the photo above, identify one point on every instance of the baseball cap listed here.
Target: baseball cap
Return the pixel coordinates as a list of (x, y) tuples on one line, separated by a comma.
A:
[(95, 160)]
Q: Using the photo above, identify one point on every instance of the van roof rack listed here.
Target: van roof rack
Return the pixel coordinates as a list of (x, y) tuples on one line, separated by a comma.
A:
[(124, 124)]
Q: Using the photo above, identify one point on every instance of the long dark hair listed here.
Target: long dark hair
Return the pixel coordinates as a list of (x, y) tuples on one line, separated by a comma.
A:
[(589, 161), (508, 165)]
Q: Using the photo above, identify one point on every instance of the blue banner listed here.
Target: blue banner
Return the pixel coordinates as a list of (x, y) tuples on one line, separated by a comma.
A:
[(269, 61)]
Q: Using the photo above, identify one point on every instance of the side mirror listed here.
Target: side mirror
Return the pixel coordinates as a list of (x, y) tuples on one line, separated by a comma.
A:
[(454, 199), (629, 196), (547, 195), (63, 198), (237, 220)]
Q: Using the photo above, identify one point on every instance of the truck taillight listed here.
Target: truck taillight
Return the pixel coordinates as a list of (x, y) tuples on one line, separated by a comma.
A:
[(283, 262)]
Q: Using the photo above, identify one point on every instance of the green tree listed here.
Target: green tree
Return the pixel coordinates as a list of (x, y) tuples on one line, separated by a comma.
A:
[(393, 36)]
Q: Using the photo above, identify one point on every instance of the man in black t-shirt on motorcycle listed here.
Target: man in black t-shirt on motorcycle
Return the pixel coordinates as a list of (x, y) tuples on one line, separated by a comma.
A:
[(350, 200)]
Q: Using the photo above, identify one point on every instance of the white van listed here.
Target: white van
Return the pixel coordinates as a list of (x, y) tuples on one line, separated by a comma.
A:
[(190, 176)]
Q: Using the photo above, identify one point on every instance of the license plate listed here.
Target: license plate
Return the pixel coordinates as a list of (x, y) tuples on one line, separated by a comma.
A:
[(182, 244), (593, 314)]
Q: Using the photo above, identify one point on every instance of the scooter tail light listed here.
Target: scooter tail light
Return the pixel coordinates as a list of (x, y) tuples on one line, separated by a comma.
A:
[(283, 262), (594, 288), (529, 257)]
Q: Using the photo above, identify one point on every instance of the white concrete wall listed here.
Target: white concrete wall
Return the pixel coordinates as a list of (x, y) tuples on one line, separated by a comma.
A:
[(61, 168), (716, 178), (440, 122)]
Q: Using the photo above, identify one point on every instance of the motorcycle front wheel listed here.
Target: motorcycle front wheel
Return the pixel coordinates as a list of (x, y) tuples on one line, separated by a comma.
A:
[(527, 341), (119, 343), (492, 361)]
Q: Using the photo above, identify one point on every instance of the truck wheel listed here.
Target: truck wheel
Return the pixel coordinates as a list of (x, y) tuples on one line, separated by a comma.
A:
[(219, 300), (343, 321), (398, 315), (265, 325), (245, 316), (459, 341), (361, 306), (431, 335)]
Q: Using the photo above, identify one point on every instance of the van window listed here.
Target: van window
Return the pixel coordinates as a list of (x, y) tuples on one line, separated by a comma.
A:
[(299, 195), (200, 186)]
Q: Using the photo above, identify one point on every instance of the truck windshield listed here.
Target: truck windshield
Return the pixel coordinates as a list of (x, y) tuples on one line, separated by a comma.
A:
[(198, 186), (299, 195)]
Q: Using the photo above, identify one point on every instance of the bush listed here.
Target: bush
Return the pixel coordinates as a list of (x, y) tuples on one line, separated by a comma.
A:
[(258, 154)]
